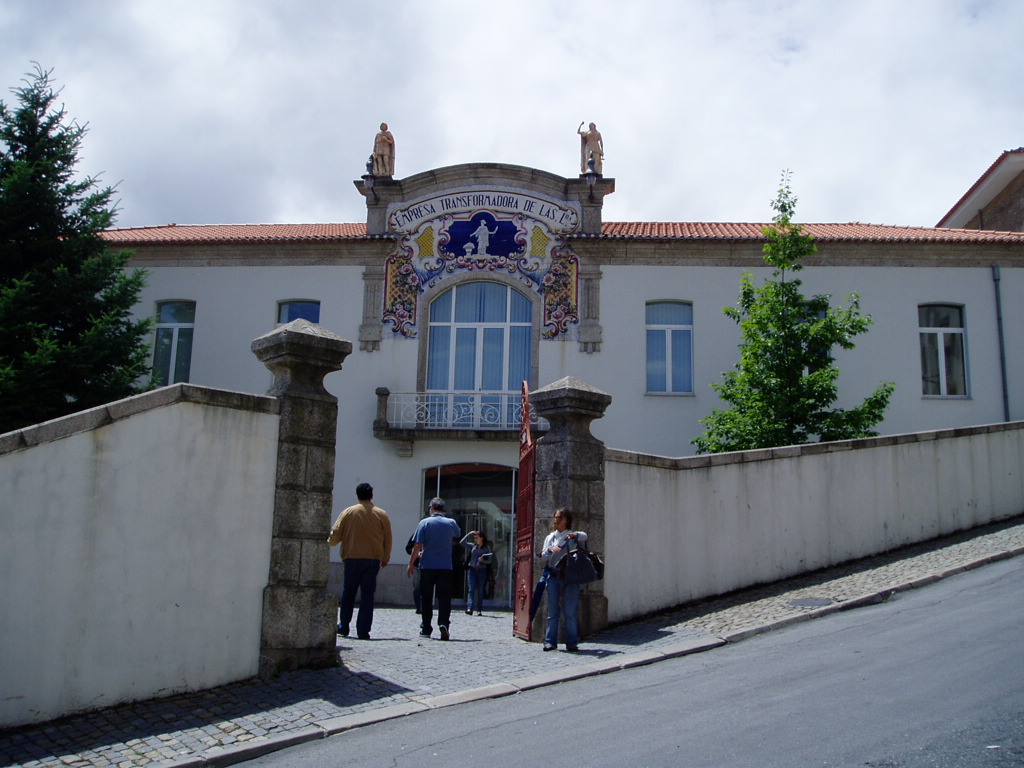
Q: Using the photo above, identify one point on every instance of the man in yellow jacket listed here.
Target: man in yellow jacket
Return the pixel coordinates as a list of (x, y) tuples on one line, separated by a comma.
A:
[(364, 532)]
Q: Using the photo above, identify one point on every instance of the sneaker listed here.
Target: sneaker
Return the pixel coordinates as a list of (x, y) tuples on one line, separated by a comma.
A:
[(444, 633), (478, 613), (342, 632), (469, 612), (548, 647), (424, 633)]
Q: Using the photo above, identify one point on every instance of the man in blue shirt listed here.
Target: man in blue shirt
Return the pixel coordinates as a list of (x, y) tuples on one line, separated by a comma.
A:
[(433, 542)]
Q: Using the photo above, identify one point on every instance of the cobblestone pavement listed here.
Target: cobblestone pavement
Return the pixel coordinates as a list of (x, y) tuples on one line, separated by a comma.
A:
[(398, 673)]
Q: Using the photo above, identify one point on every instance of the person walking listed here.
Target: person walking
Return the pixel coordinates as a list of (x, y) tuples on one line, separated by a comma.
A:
[(364, 532), (478, 568), (417, 593), (555, 546), (433, 541)]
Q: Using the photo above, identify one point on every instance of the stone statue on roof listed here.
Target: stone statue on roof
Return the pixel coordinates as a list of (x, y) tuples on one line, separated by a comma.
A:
[(384, 152), (591, 150)]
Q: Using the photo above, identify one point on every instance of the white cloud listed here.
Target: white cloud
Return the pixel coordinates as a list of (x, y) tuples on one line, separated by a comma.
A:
[(249, 112)]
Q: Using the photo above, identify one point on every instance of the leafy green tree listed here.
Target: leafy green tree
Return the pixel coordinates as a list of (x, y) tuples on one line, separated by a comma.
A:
[(67, 337), (781, 390)]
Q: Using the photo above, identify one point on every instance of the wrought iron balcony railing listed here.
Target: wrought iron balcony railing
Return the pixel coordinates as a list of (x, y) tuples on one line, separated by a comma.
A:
[(435, 411)]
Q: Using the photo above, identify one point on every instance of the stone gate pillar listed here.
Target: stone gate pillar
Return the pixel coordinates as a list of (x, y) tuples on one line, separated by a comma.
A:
[(299, 614), (570, 473)]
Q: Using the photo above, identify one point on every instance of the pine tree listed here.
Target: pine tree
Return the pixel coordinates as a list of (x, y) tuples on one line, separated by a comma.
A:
[(68, 340), (781, 390)]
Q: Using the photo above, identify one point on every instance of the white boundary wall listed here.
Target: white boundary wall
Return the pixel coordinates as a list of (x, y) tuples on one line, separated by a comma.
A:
[(678, 530), (135, 550)]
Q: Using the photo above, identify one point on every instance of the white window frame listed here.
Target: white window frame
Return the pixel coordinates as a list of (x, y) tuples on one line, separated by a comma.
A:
[(478, 407), (942, 335), (667, 330), (170, 375)]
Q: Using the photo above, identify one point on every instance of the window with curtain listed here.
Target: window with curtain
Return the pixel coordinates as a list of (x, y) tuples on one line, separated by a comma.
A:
[(669, 327), (478, 351), (172, 347), (307, 309), (943, 359)]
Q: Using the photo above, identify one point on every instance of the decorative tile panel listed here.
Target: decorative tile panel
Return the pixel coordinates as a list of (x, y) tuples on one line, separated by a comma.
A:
[(483, 231)]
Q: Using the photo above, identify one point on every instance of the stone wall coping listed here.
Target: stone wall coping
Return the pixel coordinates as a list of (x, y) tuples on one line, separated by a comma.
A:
[(102, 415), (794, 451)]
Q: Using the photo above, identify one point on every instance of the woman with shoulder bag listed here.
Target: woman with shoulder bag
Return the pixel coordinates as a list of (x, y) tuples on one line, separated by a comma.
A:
[(555, 547)]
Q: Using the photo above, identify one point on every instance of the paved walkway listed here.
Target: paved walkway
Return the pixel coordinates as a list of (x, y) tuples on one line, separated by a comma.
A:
[(398, 673)]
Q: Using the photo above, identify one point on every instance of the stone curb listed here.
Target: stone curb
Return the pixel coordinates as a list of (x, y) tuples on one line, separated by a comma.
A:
[(336, 725)]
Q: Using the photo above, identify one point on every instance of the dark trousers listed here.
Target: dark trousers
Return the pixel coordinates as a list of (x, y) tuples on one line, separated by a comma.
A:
[(439, 581), (361, 576), (417, 590)]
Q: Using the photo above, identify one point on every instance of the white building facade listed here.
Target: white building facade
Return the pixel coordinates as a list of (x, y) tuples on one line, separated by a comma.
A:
[(466, 281)]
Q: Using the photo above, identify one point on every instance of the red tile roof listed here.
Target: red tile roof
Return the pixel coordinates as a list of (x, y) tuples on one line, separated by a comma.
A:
[(234, 233), (852, 232), (642, 230)]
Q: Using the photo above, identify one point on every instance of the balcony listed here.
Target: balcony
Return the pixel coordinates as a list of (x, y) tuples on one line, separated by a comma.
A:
[(407, 416)]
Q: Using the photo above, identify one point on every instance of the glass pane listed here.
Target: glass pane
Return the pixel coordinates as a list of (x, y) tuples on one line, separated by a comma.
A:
[(656, 365), (176, 312), (441, 309), (293, 310), (518, 357), (162, 356), (465, 359), (930, 364), (495, 309), (469, 300), (669, 313), (682, 372), (438, 356), (183, 355), (939, 316), (956, 382), (494, 359), (481, 303), (522, 309)]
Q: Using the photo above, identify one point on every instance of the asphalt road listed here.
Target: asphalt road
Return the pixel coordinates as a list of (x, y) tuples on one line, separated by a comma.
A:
[(933, 678)]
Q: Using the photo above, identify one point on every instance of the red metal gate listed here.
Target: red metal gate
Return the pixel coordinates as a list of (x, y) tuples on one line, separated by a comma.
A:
[(524, 525)]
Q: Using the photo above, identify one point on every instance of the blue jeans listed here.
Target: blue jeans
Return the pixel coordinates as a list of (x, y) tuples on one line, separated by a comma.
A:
[(361, 575), (556, 589), (477, 583)]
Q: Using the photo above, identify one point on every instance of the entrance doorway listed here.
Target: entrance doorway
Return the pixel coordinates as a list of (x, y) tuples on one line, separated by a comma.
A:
[(480, 497)]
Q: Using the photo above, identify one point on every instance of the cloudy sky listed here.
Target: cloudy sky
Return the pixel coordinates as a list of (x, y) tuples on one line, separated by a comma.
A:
[(264, 111)]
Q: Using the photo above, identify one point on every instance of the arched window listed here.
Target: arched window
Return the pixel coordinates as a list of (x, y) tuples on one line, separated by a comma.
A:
[(669, 326), (478, 354), (172, 348)]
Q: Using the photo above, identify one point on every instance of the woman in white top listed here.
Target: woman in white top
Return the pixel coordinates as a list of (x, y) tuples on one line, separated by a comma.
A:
[(555, 546)]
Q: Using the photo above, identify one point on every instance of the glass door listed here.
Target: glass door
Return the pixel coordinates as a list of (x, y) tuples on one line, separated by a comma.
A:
[(479, 497)]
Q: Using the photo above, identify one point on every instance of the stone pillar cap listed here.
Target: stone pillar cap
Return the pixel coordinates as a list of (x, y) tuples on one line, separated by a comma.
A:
[(303, 340), (570, 393)]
